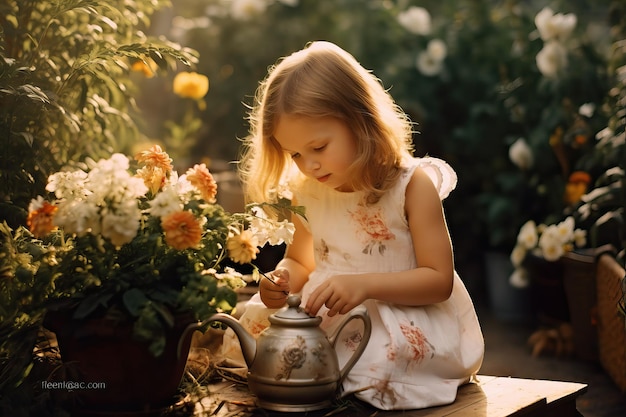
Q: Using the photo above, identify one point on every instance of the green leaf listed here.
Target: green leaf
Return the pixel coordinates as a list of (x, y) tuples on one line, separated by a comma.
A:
[(134, 299), (91, 303)]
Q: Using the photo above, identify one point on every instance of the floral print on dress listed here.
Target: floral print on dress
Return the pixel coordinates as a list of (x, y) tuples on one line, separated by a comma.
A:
[(322, 250), (372, 229), (419, 344)]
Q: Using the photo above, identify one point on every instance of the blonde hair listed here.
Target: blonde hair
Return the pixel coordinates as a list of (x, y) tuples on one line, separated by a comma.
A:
[(324, 80)]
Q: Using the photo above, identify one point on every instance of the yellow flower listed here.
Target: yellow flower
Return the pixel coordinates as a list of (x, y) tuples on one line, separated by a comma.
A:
[(200, 177), (141, 66), (242, 247), (191, 85), (182, 230)]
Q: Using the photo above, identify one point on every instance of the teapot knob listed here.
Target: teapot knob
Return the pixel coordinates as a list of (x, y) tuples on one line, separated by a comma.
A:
[(293, 301)]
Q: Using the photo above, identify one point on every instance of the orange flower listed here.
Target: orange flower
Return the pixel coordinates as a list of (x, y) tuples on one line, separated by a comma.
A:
[(182, 230), (155, 157), (200, 177), (144, 68), (191, 85), (153, 177), (157, 167), (242, 247), (39, 221), (576, 186)]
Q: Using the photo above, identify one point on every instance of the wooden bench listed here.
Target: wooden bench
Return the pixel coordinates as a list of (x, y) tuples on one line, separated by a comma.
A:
[(489, 396)]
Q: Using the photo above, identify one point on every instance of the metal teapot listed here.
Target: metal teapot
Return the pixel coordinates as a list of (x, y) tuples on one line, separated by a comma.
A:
[(293, 366)]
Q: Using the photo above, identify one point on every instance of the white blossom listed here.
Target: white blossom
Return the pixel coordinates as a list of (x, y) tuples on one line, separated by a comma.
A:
[(553, 26), (519, 278), (521, 154), (428, 65), (166, 202), (437, 49), (587, 109), (580, 238), (565, 230), (528, 236), (121, 227), (67, 184), (550, 244), (552, 59), (269, 231), (518, 254), (416, 20)]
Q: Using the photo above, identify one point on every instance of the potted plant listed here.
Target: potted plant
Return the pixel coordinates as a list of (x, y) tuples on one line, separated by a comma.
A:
[(67, 90), (130, 260), (602, 211)]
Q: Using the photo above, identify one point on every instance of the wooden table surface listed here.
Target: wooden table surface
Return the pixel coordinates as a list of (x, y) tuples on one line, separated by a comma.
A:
[(488, 396)]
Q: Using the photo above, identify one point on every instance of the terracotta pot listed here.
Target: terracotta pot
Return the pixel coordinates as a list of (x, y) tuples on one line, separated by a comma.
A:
[(131, 379)]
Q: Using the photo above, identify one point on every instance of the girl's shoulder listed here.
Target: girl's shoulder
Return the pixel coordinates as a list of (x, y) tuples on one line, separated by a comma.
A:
[(440, 173)]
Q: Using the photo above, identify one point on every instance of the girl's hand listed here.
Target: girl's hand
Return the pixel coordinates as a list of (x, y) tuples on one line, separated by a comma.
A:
[(274, 294), (340, 294)]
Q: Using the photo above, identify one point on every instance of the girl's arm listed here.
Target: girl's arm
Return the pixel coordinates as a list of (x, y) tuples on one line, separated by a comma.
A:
[(292, 272), (429, 283)]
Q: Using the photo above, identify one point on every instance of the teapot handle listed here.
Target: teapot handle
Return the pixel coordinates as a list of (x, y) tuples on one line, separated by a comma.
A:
[(359, 312)]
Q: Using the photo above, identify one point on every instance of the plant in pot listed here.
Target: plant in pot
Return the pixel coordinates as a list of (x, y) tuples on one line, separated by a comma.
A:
[(602, 211), (125, 262)]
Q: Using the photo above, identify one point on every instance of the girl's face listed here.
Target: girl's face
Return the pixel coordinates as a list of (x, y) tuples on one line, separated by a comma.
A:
[(323, 148)]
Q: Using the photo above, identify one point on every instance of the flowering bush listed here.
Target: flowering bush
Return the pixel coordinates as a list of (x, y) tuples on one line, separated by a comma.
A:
[(547, 241), (149, 245)]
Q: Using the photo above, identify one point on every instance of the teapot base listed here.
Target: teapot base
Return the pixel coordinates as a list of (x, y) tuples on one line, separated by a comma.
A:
[(291, 408)]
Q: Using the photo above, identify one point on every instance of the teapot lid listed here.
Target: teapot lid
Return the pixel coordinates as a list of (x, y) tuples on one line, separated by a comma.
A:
[(293, 315)]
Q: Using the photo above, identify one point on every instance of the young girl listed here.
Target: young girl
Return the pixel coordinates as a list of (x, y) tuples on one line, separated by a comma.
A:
[(374, 232)]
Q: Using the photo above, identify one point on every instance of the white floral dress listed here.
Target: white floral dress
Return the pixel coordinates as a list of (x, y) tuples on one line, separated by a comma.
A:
[(416, 357)]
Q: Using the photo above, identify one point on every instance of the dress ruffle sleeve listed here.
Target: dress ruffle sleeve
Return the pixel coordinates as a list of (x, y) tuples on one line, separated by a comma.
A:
[(442, 174)]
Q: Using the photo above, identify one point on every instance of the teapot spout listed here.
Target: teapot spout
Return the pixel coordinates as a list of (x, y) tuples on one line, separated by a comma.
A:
[(246, 340)]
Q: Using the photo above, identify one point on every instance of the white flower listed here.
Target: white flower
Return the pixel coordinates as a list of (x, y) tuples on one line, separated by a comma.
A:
[(67, 184), (528, 236), (518, 254), (269, 231), (166, 202), (552, 59), (550, 244), (580, 237), (282, 233), (428, 65), (78, 216), (122, 227), (587, 109), (247, 9), (553, 26), (565, 230), (416, 20), (519, 278), (437, 49), (521, 154), (36, 204)]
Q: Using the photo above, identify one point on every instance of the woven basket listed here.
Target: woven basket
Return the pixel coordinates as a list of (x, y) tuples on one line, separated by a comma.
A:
[(611, 324), (579, 279)]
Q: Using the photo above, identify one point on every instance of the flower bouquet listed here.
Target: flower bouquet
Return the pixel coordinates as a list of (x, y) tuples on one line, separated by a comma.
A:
[(145, 246), (549, 242)]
